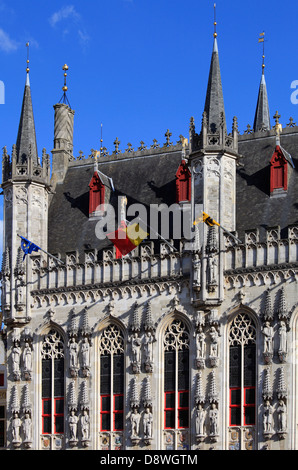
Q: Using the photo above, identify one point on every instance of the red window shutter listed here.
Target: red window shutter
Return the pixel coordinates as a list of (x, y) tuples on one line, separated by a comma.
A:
[(278, 171), (183, 183), (96, 193), (278, 177)]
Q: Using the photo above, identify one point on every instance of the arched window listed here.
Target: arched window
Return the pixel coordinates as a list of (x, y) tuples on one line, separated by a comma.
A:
[(242, 376), (111, 350), (52, 354), (96, 193), (183, 183), (176, 376)]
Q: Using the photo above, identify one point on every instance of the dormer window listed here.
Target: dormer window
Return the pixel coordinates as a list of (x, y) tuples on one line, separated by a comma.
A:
[(278, 172), (96, 193), (183, 183)]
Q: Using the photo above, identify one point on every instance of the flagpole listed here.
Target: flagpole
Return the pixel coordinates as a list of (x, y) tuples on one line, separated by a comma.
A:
[(46, 252), (166, 241), (211, 222), (231, 235)]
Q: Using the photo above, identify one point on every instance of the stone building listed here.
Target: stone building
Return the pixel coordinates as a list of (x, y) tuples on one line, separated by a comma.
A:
[(184, 343)]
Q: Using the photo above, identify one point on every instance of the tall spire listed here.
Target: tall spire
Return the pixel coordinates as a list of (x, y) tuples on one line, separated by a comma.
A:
[(214, 103), (26, 140), (262, 114)]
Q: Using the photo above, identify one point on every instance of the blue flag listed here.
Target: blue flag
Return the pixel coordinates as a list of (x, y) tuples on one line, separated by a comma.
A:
[(28, 247)]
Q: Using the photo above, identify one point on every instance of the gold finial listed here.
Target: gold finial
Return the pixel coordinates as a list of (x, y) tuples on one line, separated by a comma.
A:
[(215, 23), (65, 88), (65, 67), (27, 69), (278, 126)]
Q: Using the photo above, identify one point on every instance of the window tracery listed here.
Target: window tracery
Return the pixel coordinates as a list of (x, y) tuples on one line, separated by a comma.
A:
[(176, 376), (111, 350), (52, 355), (242, 376)]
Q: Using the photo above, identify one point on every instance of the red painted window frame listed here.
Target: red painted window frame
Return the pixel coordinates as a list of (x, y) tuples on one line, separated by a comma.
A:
[(250, 405), (49, 415), (169, 392), (242, 405), (182, 408), (96, 193), (173, 409), (45, 415), (105, 412), (278, 163), (115, 412), (238, 405), (109, 412), (58, 415), (183, 183)]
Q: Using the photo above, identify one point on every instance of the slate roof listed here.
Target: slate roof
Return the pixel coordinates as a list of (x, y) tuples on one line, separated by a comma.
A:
[(262, 114), (214, 103), (150, 179), (26, 138), (255, 208), (146, 179)]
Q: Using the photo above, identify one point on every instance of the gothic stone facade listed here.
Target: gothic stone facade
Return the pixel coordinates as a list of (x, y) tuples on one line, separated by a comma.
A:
[(192, 348)]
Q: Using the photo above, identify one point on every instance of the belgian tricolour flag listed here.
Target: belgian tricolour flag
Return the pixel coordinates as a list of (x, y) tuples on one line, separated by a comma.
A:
[(126, 238)]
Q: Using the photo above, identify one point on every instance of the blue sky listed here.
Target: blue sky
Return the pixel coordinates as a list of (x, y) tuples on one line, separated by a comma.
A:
[(140, 67)]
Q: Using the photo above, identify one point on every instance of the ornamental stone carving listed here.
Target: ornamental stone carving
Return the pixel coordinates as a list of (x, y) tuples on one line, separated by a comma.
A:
[(267, 331), (200, 422), (200, 347)]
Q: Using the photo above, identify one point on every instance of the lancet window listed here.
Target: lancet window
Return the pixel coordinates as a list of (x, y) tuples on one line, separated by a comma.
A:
[(52, 354), (242, 373), (111, 350), (176, 376)]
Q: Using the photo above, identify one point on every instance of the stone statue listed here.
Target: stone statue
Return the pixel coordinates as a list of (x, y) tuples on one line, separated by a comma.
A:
[(147, 423), (86, 353), (196, 270), (136, 348), (282, 332), (282, 416), (135, 422), (16, 424), (267, 417), (213, 416), (73, 353), (214, 342), (27, 428), (6, 285), (267, 331), (212, 264), (200, 420), (27, 358), (200, 343), (16, 354), (73, 425), (85, 426), (148, 347)]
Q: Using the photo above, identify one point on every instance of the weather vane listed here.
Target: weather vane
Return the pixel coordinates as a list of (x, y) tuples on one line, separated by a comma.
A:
[(65, 88), (262, 40)]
